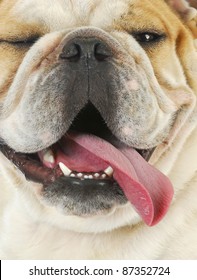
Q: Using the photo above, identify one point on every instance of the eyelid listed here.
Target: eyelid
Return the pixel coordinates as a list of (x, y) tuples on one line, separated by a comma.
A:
[(153, 32), (158, 36), (148, 30), (16, 41)]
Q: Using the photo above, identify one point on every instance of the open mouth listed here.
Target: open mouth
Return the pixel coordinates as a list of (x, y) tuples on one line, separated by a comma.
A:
[(89, 156)]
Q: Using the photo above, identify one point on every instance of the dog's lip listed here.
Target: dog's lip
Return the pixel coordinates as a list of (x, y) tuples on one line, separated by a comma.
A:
[(34, 170), (30, 166), (145, 193)]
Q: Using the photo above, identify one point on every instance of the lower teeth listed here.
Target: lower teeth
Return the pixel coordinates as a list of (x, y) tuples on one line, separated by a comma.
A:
[(90, 176), (108, 173)]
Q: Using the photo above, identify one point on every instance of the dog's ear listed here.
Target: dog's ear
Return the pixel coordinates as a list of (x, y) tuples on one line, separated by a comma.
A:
[(187, 9)]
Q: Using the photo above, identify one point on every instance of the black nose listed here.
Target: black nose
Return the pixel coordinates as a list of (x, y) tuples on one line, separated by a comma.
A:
[(88, 48)]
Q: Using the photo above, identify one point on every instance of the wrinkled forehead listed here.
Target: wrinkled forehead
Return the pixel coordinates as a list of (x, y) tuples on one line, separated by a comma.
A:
[(42, 16), (67, 13)]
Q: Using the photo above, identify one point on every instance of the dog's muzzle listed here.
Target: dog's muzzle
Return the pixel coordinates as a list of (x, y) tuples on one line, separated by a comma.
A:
[(86, 169)]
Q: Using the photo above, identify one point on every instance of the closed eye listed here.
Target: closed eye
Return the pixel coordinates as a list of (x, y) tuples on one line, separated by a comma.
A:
[(20, 41)]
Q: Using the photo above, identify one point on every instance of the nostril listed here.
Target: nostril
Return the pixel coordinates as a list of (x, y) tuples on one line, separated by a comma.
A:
[(71, 52), (102, 52), (85, 49)]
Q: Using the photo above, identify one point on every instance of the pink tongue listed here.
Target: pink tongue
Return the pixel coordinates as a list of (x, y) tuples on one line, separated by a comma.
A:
[(148, 190)]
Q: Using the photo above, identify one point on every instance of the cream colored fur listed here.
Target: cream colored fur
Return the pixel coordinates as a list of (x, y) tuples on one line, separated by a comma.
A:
[(31, 230)]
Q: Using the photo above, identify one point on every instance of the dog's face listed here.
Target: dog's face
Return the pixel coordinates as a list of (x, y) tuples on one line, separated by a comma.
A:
[(90, 92)]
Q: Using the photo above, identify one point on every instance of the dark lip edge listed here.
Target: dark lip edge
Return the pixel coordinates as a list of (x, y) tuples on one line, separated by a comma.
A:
[(29, 164), (146, 153), (44, 175), (24, 163)]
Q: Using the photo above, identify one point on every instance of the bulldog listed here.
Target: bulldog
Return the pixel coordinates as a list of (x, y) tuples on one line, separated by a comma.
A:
[(98, 129)]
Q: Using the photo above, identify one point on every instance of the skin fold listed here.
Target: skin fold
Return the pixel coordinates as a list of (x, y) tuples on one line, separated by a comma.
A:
[(133, 65)]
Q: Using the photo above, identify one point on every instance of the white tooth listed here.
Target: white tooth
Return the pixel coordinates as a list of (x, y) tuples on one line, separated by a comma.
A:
[(96, 175), (86, 177), (48, 156), (104, 176), (72, 175), (109, 171), (64, 169), (80, 175), (90, 177)]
